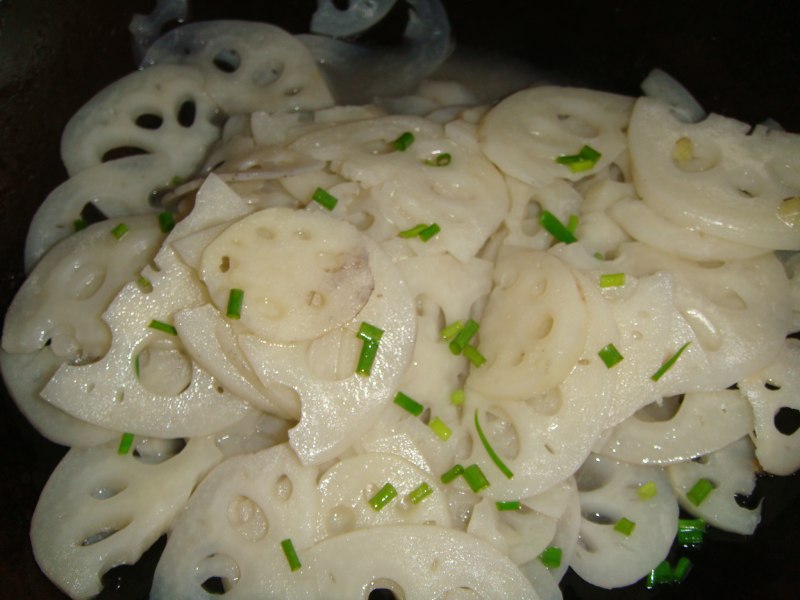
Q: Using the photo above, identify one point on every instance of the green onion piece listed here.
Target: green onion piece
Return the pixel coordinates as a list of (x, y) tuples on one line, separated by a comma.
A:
[(551, 557), (474, 356), (369, 333), (369, 350), (235, 299), (586, 159), (599, 256), (612, 280), (452, 473), (136, 368), (420, 493), (700, 491), (408, 404), (430, 231), (490, 451), (404, 141), (647, 490), (145, 284), (440, 160), (291, 555), (119, 231), (324, 199), (166, 221), (556, 228), (413, 232), (385, 495), (449, 332), (572, 223), (463, 336), (681, 570), (691, 532), (176, 181), (457, 397), (161, 326), (442, 431), (669, 363), (624, 526), (590, 153), (503, 505), (125, 443), (475, 478), (610, 355), (660, 575), (79, 224)]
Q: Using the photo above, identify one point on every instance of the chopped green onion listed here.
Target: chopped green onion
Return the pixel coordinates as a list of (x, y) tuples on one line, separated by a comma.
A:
[(610, 355), (572, 223), (556, 228), (599, 256), (161, 326), (430, 231), (586, 159), (490, 451), (369, 333), (452, 473), (691, 532), (408, 404), (136, 368), (450, 331), (551, 557), (235, 299), (700, 491), (79, 224), (625, 526), (166, 221), (474, 356), (463, 336), (404, 141), (177, 180), (647, 490), (503, 505), (440, 160), (119, 231), (660, 575), (385, 495), (145, 284), (612, 280), (475, 478), (125, 443), (324, 199), (420, 493), (457, 397), (413, 232), (669, 363), (371, 336), (291, 555), (442, 431), (681, 570)]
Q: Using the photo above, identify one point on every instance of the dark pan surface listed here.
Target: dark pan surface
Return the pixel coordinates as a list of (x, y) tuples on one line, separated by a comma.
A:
[(739, 59)]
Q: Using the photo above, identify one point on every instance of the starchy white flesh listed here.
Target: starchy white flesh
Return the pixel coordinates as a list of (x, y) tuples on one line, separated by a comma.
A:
[(726, 180), (164, 111), (101, 509), (526, 132)]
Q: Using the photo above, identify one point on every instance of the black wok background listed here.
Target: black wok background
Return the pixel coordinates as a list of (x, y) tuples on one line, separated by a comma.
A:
[(741, 59)]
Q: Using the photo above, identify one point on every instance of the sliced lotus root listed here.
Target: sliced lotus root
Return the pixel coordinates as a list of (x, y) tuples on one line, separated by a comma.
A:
[(163, 111), (717, 176), (248, 66), (100, 508), (605, 555), (525, 133)]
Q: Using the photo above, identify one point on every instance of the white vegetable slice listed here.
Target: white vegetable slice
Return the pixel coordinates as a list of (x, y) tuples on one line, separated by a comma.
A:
[(716, 175), (164, 111), (604, 556), (704, 422), (526, 132), (303, 273), (732, 471), (100, 509), (233, 526), (659, 84), (776, 389), (247, 66)]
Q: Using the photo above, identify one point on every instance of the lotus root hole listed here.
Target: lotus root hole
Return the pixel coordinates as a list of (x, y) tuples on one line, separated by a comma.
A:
[(340, 520), (383, 588), (247, 518)]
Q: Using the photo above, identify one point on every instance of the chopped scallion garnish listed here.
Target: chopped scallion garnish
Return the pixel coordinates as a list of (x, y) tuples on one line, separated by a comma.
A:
[(457, 397), (136, 367), (291, 554), (408, 404), (442, 431), (463, 336), (572, 223), (700, 491), (584, 160), (144, 284), (624, 526), (324, 199), (490, 451), (371, 336), (422, 231), (681, 570), (475, 478), (235, 300), (647, 490), (369, 333), (403, 141), (612, 280), (125, 443), (161, 326), (452, 473), (450, 331), (177, 180), (418, 494), (551, 557), (119, 231), (660, 575), (473, 355), (440, 160), (385, 495), (556, 228), (691, 532), (610, 355), (166, 221), (79, 224), (504, 505), (413, 232), (669, 363)]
